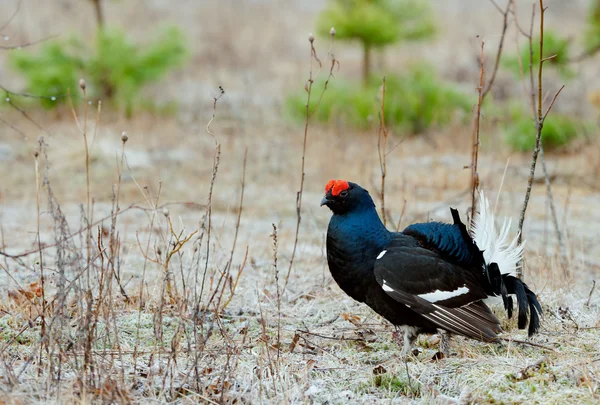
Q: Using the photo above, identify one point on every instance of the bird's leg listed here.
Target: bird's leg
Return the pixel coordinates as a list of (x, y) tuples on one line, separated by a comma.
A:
[(445, 343), (410, 334)]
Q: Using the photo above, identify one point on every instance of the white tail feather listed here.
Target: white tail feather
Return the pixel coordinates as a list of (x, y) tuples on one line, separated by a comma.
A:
[(495, 246)]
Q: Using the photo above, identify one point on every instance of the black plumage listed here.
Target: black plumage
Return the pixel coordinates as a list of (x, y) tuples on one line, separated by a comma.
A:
[(429, 277)]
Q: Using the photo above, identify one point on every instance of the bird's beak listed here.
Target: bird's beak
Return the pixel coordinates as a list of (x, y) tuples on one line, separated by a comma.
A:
[(324, 201)]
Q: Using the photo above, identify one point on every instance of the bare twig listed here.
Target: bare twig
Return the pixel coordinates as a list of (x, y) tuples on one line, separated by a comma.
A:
[(588, 53), (70, 236), (233, 283), (552, 102), (408, 375), (496, 5), (10, 93), (525, 342), (308, 115), (309, 84), (587, 303), (26, 116), (539, 116), (500, 46), (482, 92), (401, 216), (27, 44), (559, 235), (334, 63), (381, 150), (239, 217), (9, 20), (475, 144), (41, 256), (216, 160), (276, 268)]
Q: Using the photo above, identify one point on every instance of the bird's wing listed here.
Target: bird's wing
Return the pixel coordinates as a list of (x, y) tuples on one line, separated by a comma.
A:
[(452, 241), (442, 292)]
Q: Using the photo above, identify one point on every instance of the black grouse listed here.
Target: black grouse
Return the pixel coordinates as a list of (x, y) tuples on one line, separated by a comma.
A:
[(431, 277)]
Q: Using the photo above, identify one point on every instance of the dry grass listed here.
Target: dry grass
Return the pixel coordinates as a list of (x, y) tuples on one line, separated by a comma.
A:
[(159, 314), (338, 345)]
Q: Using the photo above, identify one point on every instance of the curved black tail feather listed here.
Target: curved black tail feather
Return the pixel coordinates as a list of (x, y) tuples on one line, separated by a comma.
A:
[(527, 302)]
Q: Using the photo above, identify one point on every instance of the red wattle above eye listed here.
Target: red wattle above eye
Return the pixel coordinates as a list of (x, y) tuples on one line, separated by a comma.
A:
[(336, 187)]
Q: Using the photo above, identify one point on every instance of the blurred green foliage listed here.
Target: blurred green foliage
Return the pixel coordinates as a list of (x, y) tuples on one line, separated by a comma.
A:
[(50, 72), (553, 45), (377, 23), (592, 32), (115, 68), (558, 131), (414, 102)]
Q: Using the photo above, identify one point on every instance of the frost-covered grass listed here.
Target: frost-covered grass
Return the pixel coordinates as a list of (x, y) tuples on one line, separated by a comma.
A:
[(323, 347)]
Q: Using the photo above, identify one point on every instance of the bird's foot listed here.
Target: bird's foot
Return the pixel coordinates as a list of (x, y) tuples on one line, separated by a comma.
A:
[(444, 347), (408, 337)]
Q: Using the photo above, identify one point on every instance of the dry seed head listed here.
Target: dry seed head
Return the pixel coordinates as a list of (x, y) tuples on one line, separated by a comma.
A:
[(311, 38), (82, 84), (332, 31), (36, 154), (165, 212), (124, 137)]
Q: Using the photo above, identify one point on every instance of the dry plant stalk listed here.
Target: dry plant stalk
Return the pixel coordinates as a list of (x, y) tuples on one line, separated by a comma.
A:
[(308, 115), (216, 160), (381, 150), (41, 256), (228, 277), (481, 94), (83, 130), (79, 325), (276, 268), (561, 242), (539, 115), (475, 145)]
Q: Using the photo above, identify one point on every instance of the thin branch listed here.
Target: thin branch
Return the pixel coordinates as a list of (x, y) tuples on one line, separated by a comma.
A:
[(482, 93), (588, 53), (559, 235), (552, 102), (539, 117), (276, 268), (334, 63), (11, 126), (27, 117), (27, 95), (525, 342), (587, 303), (7, 22), (514, 13), (500, 47), (530, 39), (17, 256), (27, 44), (401, 216), (381, 150), (308, 115), (475, 145), (497, 6), (549, 58)]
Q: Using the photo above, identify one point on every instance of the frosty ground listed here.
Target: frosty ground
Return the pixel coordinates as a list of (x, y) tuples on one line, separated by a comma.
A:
[(307, 342)]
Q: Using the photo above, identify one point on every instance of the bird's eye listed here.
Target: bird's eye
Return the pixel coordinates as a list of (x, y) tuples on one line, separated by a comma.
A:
[(343, 193)]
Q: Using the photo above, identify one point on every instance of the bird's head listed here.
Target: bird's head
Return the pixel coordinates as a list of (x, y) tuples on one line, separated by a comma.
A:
[(345, 197)]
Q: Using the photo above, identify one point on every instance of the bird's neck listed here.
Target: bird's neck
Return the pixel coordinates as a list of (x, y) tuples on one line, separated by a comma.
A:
[(364, 227), (353, 242)]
